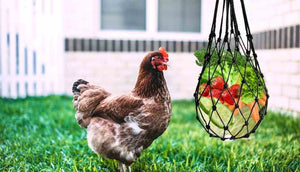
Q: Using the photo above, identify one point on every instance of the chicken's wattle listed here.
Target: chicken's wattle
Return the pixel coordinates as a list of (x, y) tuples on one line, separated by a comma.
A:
[(162, 67)]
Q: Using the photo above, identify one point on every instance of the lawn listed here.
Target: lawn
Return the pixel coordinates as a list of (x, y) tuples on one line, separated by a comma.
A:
[(41, 134)]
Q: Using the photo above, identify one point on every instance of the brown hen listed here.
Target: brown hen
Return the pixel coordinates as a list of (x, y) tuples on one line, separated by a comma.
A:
[(121, 126)]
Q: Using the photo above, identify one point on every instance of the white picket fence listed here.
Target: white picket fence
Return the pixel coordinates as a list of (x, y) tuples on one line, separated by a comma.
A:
[(31, 48)]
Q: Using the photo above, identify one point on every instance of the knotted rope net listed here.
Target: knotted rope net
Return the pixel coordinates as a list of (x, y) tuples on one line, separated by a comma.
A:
[(231, 96)]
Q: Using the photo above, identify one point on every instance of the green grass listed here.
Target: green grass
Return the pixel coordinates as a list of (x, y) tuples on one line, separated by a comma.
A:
[(41, 134)]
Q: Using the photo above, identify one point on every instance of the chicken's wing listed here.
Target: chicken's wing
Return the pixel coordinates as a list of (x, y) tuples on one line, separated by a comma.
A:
[(118, 107)]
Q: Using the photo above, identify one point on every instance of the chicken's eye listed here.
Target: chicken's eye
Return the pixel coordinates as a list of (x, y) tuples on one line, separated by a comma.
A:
[(157, 58), (154, 58)]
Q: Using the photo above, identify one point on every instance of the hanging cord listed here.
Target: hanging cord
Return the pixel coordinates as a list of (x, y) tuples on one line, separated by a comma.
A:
[(211, 66), (235, 24), (221, 26), (248, 33), (245, 19), (213, 27), (207, 55), (250, 39), (227, 24)]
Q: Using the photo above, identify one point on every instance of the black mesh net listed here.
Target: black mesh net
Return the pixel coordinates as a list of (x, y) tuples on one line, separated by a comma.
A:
[(231, 96)]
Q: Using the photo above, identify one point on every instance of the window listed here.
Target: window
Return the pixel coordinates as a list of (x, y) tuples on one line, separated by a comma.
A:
[(179, 15), (26, 61), (123, 14), (17, 54)]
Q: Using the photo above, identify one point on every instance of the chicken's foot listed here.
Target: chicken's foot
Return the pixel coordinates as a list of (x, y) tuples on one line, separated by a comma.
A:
[(122, 167)]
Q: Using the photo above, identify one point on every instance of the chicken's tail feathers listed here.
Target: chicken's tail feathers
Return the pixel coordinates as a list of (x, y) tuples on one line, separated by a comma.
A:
[(75, 89)]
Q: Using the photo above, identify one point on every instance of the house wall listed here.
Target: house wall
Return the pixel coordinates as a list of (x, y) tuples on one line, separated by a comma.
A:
[(116, 69), (278, 54), (117, 72)]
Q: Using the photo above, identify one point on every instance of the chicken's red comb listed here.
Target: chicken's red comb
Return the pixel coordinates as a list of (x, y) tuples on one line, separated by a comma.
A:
[(163, 51)]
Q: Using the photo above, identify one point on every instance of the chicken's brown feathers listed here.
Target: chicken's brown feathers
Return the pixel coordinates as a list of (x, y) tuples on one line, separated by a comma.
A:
[(117, 108), (90, 98), (150, 82), (121, 127)]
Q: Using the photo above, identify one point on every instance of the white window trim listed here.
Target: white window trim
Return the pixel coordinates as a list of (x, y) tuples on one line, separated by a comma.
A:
[(151, 32)]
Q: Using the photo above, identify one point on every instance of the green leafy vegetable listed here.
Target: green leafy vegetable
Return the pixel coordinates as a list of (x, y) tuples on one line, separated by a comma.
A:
[(231, 66), (252, 88)]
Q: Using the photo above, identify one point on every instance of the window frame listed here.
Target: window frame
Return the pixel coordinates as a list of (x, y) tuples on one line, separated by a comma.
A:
[(151, 32)]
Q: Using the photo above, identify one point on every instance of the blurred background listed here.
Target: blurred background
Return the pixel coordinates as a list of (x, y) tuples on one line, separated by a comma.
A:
[(45, 45)]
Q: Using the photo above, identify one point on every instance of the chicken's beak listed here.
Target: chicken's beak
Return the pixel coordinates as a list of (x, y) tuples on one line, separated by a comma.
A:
[(162, 66)]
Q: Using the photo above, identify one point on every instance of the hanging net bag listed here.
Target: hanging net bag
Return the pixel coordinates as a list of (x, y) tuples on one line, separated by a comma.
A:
[(231, 96)]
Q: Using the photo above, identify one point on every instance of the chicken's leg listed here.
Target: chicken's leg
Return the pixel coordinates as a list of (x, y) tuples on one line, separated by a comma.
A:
[(129, 168), (122, 167)]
